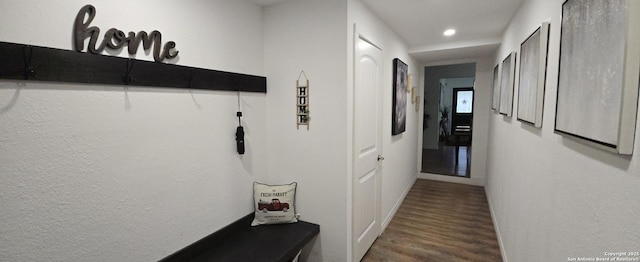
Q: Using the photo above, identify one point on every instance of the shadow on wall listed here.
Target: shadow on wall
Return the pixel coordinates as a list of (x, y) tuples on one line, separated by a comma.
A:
[(534, 130), (314, 246), (14, 99), (621, 162)]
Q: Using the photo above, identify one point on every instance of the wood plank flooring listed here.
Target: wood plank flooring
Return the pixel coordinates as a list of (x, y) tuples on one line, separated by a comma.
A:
[(443, 161), (439, 221)]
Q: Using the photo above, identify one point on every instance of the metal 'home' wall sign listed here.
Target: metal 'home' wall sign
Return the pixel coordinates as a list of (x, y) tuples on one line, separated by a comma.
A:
[(36, 63), (116, 39)]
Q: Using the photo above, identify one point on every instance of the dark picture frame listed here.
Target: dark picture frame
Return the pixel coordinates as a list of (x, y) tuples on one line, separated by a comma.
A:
[(597, 99), (399, 113)]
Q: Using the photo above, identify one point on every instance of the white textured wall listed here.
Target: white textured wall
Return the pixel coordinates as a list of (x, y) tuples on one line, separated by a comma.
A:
[(399, 169), (317, 37), (108, 173), (310, 36), (552, 197), (104, 173)]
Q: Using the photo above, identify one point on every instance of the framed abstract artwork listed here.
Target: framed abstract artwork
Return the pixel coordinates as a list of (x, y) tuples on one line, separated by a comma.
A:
[(495, 94), (533, 64), (598, 73), (399, 114), (507, 75)]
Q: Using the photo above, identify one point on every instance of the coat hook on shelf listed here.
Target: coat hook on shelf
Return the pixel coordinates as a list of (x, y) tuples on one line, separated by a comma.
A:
[(128, 79), (27, 70), (193, 75)]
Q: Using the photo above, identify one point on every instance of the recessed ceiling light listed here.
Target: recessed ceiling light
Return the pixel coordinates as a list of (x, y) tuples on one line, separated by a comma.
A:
[(450, 32)]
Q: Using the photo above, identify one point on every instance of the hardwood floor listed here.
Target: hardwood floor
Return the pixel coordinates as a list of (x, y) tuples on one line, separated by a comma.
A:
[(443, 161), (439, 221)]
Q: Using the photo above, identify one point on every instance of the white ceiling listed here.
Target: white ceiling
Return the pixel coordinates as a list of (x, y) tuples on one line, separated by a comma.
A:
[(266, 2), (479, 25)]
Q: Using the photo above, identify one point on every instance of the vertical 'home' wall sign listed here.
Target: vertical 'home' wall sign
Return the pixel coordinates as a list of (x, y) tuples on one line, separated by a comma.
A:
[(302, 101)]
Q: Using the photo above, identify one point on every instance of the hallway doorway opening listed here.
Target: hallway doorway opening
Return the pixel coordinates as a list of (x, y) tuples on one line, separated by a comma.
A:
[(448, 120)]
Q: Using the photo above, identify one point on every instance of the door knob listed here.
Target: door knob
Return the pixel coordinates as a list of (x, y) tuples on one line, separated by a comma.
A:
[(380, 158)]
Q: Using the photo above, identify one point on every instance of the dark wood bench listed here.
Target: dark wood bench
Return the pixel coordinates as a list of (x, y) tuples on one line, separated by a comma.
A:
[(239, 241)]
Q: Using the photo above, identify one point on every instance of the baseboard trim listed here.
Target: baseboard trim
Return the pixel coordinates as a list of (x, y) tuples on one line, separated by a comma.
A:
[(503, 252), (396, 207), (452, 179)]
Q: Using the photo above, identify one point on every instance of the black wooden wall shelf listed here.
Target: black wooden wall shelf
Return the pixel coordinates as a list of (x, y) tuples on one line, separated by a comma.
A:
[(25, 62)]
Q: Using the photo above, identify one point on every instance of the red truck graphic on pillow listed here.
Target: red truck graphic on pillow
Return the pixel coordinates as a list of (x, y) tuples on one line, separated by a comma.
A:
[(274, 205)]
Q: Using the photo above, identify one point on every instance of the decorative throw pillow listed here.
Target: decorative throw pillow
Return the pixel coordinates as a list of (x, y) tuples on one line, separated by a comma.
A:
[(274, 204)]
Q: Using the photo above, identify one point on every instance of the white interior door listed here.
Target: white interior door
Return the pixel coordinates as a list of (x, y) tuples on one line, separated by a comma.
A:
[(367, 150)]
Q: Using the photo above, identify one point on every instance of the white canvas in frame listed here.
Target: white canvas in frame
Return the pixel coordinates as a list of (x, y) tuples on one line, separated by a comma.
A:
[(495, 101), (533, 63), (599, 68), (506, 84)]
